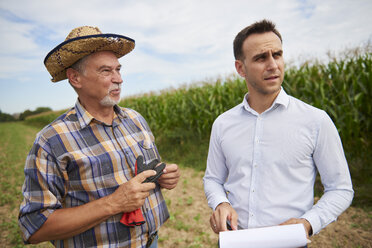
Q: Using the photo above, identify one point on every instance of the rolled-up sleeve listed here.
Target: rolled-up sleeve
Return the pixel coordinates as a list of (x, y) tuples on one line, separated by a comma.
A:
[(42, 190)]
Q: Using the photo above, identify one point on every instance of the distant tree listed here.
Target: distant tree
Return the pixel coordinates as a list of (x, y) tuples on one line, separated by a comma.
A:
[(6, 117), (28, 112), (24, 114), (42, 109)]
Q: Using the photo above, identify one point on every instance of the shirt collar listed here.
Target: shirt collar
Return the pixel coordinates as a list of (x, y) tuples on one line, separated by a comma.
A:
[(281, 99), (85, 118), (119, 111), (120, 114)]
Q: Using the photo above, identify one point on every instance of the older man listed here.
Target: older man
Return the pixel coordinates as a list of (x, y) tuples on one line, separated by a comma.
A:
[(82, 173), (264, 153)]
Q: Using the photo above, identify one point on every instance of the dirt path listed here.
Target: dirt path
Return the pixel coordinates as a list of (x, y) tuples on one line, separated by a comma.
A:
[(189, 222)]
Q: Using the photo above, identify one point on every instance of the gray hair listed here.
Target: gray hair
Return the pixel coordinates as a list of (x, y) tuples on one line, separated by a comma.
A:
[(80, 64)]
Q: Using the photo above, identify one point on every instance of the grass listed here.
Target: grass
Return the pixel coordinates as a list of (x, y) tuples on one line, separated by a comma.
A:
[(15, 142), (16, 139), (44, 118), (189, 153)]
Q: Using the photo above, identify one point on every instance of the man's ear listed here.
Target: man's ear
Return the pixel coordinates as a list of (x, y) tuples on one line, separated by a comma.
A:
[(73, 77), (240, 68)]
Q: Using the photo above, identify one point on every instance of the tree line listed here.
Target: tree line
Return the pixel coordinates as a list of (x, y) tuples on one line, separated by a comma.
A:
[(5, 117)]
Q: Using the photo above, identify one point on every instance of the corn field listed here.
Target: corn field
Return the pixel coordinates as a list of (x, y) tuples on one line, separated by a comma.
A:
[(341, 88), (190, 111)]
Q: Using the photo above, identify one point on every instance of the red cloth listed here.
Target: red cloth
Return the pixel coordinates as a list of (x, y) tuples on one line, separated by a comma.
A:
[(134, 218)]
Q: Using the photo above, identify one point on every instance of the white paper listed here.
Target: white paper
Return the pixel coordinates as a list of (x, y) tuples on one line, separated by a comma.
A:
[(286, 236)]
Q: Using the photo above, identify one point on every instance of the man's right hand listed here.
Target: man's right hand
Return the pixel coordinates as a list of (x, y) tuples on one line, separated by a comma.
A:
[(224, 211), (132, 194)]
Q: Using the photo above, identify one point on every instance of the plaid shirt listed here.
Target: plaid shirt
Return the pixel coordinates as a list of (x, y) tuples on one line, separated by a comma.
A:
[(77, 159)]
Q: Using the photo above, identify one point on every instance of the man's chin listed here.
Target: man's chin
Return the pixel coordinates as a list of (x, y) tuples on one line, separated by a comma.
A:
[(269, 90), (107, 101)]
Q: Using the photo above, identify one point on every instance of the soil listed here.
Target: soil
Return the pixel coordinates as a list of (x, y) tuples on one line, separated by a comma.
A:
[(189, 222)]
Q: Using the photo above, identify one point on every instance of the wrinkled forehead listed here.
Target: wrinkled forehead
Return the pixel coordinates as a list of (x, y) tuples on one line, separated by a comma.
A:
[(261, 43)]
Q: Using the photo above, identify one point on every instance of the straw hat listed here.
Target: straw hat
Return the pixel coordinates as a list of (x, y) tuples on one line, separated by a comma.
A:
[(81, 42)]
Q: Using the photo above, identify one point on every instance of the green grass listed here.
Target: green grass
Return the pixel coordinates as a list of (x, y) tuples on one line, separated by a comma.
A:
[(15, 142), (44, 118)]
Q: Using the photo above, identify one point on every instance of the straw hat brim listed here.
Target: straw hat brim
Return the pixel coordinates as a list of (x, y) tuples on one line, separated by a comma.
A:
[(68, 52)]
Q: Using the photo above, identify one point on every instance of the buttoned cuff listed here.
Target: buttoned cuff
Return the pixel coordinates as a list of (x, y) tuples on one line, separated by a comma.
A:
[(314, 221), (217, 201)]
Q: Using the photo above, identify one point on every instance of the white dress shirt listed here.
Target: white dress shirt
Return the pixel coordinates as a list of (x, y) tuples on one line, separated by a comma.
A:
[(265, 164)]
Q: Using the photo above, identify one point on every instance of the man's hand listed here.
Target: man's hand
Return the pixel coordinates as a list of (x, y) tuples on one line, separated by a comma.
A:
[(223, 212), (67, 222), (307, 225), (170, 177), (132, 194)]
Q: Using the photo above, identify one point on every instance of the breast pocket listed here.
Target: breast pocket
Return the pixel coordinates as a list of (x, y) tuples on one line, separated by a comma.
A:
[(148, 148)]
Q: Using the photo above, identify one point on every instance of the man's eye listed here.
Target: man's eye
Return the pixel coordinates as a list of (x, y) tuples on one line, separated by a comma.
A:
[(277, 55), (106, 71)]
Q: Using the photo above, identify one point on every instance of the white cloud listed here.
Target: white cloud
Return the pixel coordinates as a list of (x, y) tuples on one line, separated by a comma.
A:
[(331, 25), (16, 39)]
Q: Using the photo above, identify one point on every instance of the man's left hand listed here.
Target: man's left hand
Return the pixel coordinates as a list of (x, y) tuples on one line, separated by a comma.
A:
[(305, 222), (170, 177)]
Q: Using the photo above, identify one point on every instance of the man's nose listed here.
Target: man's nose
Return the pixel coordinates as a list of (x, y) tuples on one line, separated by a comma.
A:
[(272, 64), (117, 77)]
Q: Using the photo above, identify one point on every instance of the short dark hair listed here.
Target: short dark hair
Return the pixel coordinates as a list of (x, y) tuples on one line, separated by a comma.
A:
[(255, 28)]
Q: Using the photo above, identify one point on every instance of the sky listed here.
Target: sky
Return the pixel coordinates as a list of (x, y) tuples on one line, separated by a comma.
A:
[(177, 42)]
